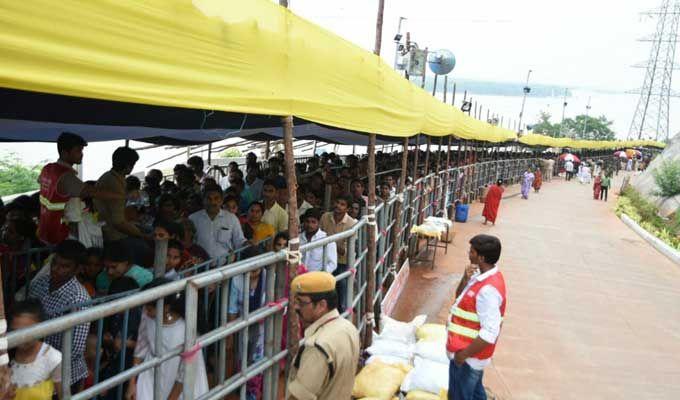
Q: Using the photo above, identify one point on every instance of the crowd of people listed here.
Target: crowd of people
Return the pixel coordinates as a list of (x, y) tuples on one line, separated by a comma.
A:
[(101, 238)]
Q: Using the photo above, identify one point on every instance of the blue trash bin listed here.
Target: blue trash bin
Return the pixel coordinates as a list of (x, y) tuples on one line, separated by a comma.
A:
[(462, 212)]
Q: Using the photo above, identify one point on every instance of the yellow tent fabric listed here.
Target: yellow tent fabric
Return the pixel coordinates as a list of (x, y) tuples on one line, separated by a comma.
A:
[(547, 141), (230, 55), (251, 57)]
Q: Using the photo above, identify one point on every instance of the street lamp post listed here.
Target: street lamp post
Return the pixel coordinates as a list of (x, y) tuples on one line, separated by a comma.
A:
[(526, 90), (585, 120), (564, 108), (397, 42)]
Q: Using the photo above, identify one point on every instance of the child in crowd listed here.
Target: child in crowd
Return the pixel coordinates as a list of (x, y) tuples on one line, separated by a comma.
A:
[(231, 204), (172, 371), (36, 366), (90, 268), (174, 261), (118, 262)]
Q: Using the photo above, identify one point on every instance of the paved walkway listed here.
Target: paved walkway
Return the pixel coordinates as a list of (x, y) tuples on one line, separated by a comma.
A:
[(594, 311)]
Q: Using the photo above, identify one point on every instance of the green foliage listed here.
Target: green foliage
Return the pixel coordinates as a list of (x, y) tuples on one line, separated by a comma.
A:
[(644, 213), (667, 178), (15, 177), (544, 127), (231, 153), (596, 128)]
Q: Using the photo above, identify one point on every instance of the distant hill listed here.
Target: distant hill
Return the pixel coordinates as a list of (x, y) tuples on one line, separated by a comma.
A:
[(494, 88)]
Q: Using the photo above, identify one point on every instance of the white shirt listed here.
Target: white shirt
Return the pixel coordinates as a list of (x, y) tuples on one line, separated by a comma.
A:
[(314, 259), (489, 302), (219, 236), (569, 166)]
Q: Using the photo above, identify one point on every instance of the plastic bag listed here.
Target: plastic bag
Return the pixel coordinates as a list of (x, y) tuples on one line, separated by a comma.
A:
[(433, 351), (404, 332), (379, 380), (432, 333), (429, 376)]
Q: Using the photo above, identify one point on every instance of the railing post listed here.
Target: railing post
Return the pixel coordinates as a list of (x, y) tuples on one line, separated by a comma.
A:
[(351, 261), (66, 346), (371, 230), (161, 250), (270, 343), (189, 364)]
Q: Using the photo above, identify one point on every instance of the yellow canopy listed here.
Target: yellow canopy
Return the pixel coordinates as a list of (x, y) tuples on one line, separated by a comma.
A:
[(231, 55), (547, 141), (251, 57)]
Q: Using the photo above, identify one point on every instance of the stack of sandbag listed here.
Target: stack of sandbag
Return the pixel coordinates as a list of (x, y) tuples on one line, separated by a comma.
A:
[(431, 372), (391, 358), (379, 381), (396, 342)]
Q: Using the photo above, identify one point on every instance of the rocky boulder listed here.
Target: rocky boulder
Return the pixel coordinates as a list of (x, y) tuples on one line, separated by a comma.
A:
[(645, 184)]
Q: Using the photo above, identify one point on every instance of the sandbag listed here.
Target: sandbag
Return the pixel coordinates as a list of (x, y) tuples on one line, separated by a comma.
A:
[(421, 395), (401, 331), (388, 347), (429, 376), (433, 351), (432, 333), (392, 360), (379, 380)]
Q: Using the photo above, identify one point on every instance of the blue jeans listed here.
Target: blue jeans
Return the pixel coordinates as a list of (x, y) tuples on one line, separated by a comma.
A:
[(465, 383)]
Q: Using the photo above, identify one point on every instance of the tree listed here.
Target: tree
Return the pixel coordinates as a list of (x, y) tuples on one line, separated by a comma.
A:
[(231, 153), (595, 128), (15, 177), (544, 127)]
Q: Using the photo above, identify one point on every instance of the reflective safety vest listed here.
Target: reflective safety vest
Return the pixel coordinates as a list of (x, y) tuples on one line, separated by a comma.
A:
[(51, 229), (463, 323)]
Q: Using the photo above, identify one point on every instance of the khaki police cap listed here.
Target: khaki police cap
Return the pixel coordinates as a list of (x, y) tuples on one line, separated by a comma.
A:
[(313, 282)]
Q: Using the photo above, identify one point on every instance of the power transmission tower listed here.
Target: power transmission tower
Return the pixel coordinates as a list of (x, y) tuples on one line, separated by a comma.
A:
[(652, 115)]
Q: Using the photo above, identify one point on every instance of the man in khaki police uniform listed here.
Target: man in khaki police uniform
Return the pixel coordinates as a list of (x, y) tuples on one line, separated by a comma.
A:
[(325, 366)]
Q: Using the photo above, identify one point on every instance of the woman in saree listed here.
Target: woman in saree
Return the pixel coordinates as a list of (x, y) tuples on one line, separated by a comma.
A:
[(538, 180), (527, 181), (493, 200), (597, 186)]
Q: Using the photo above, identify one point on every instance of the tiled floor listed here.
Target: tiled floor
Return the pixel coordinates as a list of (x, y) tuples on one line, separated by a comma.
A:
[(593, 310)]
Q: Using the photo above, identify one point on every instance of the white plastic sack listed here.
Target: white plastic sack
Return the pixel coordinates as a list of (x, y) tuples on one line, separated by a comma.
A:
[(386, 347), (390, 360), (433, 351), (428, 376), (404, 332)]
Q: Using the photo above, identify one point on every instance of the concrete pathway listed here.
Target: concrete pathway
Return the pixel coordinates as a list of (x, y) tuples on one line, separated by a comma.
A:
[(593, 310)]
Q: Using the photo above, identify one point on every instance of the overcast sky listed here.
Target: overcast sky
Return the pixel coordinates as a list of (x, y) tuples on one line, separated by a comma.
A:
[(576, 43)]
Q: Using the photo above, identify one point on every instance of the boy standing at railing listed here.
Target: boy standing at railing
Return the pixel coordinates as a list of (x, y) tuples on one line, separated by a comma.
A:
[(59, 291), (317, 259), (338, 221)]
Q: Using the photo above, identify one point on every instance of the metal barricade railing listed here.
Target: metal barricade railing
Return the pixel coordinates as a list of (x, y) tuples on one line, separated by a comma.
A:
[(208, 290)]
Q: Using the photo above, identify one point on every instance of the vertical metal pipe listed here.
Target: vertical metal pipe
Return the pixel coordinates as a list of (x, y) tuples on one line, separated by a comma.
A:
[(66, 345), (434, 87), (422, 83), (453, 95), (191, 304), (446, 86), (351, 260)]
